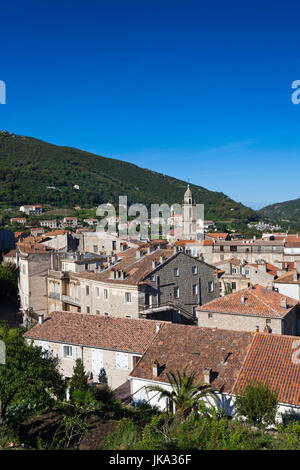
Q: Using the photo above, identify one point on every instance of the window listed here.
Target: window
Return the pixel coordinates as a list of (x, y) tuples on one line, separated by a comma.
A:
[(176, 292), (194, 311), (121, 360), (127, 297), (194, 270), (68, 351), (135, 360), (105, 293), (95, 248), (97, 291), (210, 315), (87, 290), (88, 310), (152, 277), (210, 286), (176, 271), (97, 312), (233, 285), (195, 289), (233, 248), (234, 270), (106, 314)]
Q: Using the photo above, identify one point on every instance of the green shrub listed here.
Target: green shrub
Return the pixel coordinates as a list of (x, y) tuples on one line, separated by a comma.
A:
[(258, 404)]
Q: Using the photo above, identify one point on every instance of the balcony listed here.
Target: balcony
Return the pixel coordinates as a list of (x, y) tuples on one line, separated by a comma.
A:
[(54, 295), (71, 300)]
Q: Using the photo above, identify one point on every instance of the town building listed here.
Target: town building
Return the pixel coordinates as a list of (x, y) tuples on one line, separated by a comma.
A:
[(70, 221), (48, 223), (226, 360), (148, 281), (31, 209), (253, 309), (18, 220), (108, 347)]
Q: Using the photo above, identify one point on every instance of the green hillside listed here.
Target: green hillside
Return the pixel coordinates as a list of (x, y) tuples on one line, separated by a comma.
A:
[(287, 211), (28, 166)]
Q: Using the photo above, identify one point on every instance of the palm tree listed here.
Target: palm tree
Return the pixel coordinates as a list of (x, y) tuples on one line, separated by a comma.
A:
[(186, 394)]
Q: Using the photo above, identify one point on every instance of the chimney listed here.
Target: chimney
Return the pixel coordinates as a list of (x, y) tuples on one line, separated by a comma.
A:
[(138, 253), (207, 376), (41, 318), (155, 369), (112, 274), (157, 327), (257, 328), (153, 264), (161, 259), (242, 300), (283, 302)]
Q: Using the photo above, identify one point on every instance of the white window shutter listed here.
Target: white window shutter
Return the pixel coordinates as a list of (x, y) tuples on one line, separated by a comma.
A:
[(74, 353), (61, 351), (121, 360)]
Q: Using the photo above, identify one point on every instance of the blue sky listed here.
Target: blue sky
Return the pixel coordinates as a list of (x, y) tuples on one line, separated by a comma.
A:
[(197, 90)]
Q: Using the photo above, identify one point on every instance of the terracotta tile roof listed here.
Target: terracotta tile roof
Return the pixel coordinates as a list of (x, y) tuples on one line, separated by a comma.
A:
[(272, 361), (219, 236), (54, 233), (258, 301), (179, 346), (208, 242), (136, 269), (270, 268), (235, 261), (10, 254), (123, 334), (288, 278)]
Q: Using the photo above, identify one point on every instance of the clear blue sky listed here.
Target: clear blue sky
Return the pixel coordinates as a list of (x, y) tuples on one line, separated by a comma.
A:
[(193, 89)]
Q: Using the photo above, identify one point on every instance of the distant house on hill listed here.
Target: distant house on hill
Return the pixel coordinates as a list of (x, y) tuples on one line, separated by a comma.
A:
[(31, 209)]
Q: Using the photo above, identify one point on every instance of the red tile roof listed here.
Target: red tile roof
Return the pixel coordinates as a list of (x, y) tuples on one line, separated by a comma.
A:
[(179, 346), (258, 301), (273, 360), (122, 334), (136, 269)]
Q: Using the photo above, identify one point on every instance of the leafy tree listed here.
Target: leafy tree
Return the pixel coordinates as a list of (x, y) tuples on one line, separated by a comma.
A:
[(8, 278), (28, 373), (186, 394), (257, 403), (79, 378)]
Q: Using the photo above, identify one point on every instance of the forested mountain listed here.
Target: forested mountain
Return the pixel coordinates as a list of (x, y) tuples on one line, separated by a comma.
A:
[(33, 171)]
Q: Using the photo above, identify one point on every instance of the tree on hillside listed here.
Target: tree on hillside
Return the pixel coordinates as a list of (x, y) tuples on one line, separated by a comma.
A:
[(186, 393), (257, 403), (28, 372)]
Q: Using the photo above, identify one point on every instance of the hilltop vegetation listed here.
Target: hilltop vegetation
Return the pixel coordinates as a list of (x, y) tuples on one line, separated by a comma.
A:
[(288, 211), (33, 171)]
